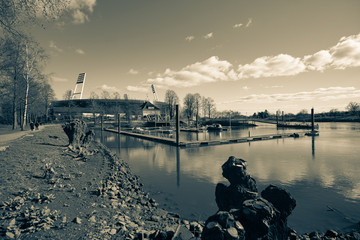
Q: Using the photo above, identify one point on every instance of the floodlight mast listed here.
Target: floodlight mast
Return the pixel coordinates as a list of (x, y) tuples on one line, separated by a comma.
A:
[(80, 83), (154, 92)]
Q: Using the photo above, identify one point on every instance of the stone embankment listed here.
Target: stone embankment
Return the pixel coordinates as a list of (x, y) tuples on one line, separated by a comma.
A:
[(53, 188)]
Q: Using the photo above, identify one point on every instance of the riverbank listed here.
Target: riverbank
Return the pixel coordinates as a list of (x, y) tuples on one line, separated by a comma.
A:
[(47, 192)]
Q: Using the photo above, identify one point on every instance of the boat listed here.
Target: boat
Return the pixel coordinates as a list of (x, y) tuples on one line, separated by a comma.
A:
[(138, 130), (312, 133), (215, 127)]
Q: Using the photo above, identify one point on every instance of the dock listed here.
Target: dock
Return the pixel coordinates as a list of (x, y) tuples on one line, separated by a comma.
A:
[(209, 142)]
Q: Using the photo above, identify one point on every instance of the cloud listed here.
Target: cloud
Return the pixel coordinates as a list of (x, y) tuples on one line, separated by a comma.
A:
[(209, 35), (133, 71), (58, 79), (137, 89), (53, 46), (320, 94), (105, 87), (345, 54), (238, 25), (80, 10), (189, 38), (280, 65), (249, 22), (245, 88), (80, 51), (210, 70)]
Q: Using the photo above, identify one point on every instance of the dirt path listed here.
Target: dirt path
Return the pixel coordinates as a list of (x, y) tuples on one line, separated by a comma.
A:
[(47, 192)]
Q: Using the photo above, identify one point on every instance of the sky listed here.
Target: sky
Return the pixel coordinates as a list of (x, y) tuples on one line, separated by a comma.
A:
[(246, 55)]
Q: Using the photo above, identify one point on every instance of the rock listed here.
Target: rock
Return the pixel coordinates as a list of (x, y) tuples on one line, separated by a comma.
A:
[(77, 220), (112, 231), (234, 170), (223, 225), (232, 197), (92, 219), (10, 235), (280, 199), (231, 233), (331, 234)]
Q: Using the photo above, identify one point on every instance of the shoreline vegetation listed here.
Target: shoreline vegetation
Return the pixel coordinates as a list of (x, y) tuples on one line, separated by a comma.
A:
[(50, 191)]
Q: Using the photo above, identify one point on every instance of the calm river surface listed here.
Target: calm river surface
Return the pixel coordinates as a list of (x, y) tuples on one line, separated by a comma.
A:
[(321, 173)]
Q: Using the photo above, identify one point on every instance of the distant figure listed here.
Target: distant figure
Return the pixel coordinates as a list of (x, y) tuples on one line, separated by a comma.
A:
[(37, 126), (32, 126)]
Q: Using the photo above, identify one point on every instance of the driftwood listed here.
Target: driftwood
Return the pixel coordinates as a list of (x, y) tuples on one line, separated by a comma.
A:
[(80, 138)]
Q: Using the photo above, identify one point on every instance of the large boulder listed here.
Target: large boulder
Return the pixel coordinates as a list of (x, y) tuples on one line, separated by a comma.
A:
[(281, 199), (234, 170), (243, 214)]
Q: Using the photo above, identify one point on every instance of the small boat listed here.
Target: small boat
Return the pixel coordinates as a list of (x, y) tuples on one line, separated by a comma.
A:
[(312, 133), (138, 130), (215, 127)]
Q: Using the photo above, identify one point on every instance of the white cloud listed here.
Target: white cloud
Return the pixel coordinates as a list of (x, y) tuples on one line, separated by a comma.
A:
[(280, 65), (53, 46), (133, 71), (137, 89), (318, 61), (238, 25), (245, 88), (58, 79), (80, 51), (105, 87), (345, 54), (80, 10), (189, 38), (322, 94), (79, 17), (210, 70), (209, 35), (249, 22)]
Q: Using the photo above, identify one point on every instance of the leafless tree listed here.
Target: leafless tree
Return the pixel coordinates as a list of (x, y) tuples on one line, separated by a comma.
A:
[(171, 99), (189, 106)]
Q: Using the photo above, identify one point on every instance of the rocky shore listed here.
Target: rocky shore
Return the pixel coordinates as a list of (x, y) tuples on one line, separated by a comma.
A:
[(52, 190)]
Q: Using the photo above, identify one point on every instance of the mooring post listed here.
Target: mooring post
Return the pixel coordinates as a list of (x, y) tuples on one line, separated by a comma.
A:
[(119, 123), (312, 120), (277, 118), (102, 122), (177, 125)]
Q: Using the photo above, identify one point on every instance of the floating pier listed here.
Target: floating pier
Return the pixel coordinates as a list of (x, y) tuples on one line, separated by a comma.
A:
[(209, 142)]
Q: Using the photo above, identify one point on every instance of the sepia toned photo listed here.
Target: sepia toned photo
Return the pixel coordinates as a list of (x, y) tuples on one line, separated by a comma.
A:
[(180, 120)]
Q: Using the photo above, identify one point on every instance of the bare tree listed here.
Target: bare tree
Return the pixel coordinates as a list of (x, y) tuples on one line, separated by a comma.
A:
[(17, 13), (197, 105), (353, 108), (189, 106), (171, 99), (67, 94), (208, 106)]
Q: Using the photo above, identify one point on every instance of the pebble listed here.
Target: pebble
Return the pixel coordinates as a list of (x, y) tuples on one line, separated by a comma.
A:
[(77, 220), (10, 235)]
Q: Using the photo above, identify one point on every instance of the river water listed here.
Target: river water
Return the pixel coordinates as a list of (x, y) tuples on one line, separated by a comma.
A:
[(322, 173)]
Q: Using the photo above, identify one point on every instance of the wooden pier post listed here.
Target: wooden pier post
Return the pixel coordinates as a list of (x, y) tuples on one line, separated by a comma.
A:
[(119, 122), (102, 122), (312, 120), (177, 125)]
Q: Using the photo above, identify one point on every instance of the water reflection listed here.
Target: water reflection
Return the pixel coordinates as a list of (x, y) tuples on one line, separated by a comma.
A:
[(187, 177)]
